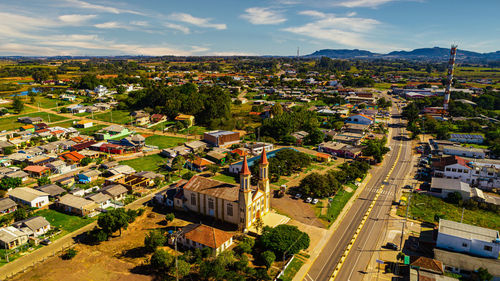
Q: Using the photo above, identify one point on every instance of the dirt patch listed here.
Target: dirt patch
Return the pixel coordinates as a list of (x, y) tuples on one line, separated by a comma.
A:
[(297, 210), (120, 258)]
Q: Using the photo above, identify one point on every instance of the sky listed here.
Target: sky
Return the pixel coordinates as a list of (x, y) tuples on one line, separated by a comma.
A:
[(239, 27)]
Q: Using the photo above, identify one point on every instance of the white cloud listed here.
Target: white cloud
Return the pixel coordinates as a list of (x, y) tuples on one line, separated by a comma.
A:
[(178, 27), (201, 22), (258, 15), (140, 23), (348, 31), (362, 3), (109, 25), (100, 8), (352, 14), (75, 19)]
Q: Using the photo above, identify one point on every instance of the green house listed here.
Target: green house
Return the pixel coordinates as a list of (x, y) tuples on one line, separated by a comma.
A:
[(111, 132)]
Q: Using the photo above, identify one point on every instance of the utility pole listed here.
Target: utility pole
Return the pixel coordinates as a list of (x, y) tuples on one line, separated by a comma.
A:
[(462, 219), (404, 223)]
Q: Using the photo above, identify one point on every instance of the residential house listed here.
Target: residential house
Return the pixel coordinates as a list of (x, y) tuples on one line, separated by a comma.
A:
[(442, 187), (117, 192), (196, 146), (51, 189), (257, 148), (76, 205), (30, 120), (38, 226), (11, 237), (221, 138), (339, 149), (88, 176), (323, 157), (464, 151), (84, 124), (122, 169), (141, 118), (217, 157), (467, 138), (66, 181), (203, 236), (155, 118), (7, 206), (5, 145), (37, 171), (18, 174), (466, 238), (356, 128), (113, 131), (198, 164), (174, 151), (101, 199), (29, 197), (360, 119), (28, 128), (300, 136), (71, 157), (187, 119)]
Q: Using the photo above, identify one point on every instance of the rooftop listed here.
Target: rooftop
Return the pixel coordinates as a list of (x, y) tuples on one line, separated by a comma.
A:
[(26, 193), (206, 235), (213, 188), (467, 231)]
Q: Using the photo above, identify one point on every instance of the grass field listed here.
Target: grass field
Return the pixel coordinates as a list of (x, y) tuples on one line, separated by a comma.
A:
[(194, 130), (164, 141), (10, 122), (337, 204), (147, 163), (67, 223), (47, 117), (225, 178), (115, 116), (292, 269), (50, 103), (92, 130), (65, 124), (425, 208)]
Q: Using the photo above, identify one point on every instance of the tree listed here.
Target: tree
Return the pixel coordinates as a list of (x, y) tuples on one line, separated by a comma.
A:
[(315, 185), (245, 246), (315, 137), (178, 163), (85, 161), (40, 76), (258, 224), (482, 274), (114, 220), (261, 274), (8, 150), (153, 240), (161, 260), (410, 112), (284, 239), (17, 105), (182, 269), (188, 175), (214, 169), (454, 197), (43, 181), (8, 183), (20, 214), (276, 109), (169, 217), (69, 254), (268, 258)]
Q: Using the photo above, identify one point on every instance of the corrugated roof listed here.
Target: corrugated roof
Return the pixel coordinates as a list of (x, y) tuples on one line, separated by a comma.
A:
[(213, 188), (467, 231)]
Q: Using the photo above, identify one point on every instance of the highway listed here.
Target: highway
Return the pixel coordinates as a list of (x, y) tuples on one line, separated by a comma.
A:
[(365, 245)]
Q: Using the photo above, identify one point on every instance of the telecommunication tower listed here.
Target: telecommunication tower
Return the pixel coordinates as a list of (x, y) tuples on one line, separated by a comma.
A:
[(451, 66)]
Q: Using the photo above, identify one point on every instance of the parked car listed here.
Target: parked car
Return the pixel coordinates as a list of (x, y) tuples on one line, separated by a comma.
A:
[(407, 186), (298, 196), (391, 246), (315, 201), (45, 242), (308, 200)]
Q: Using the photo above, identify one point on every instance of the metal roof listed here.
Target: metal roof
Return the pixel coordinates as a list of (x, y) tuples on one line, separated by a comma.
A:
[(467, 231)]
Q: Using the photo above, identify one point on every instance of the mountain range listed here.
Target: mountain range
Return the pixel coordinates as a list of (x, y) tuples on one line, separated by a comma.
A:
[(435, 53)]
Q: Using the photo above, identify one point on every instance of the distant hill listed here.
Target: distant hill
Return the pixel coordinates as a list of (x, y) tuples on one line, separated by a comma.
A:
[(435, 53)]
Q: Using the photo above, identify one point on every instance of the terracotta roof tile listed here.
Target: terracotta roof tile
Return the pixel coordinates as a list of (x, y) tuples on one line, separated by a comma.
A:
[(208, 236)]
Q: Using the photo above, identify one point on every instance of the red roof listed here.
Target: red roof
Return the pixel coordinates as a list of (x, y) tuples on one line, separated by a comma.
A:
[(57, 132), (73, 156), (42, 131), (245, 170), (450, 160), (239, 151), (263, 158), (366, 116), (201, 162), (36, 169), (208, 236)]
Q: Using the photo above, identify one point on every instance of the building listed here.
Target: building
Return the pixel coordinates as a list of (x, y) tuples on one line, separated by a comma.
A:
[(464, 151), (467, 138), (29, 197), (101, 199), (359, 119), (7, 206), (221, 138), (155, 118), (88, 176), (117, 192), (84, 124), (226, 202), (76, 205), (35, 226), (71, 157), (257, 148), (469, 239), (340, 149), (51, 189), (187, 119), (441, 187), (11, 237), (203, 236), (37, 171), (113, 131)]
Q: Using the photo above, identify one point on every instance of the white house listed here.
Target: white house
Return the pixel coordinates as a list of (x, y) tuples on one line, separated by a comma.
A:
[(469, 239), (443, 186), (202, 236), (11, 237), (29, 196), (35, 226), (470, 152)]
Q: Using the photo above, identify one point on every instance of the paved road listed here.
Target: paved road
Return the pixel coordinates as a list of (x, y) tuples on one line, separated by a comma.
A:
[(325, 263)]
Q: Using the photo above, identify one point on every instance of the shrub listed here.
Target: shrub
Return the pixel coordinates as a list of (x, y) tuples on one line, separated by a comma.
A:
[(69, 254)]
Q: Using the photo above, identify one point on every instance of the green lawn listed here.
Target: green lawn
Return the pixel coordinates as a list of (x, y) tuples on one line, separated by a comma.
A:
[(292, 269), (226, 178), (50, 103), (194, 130), (147, 163), (118, 116), (47, 117), (10, 122), (92, 130), (337, 204), (164, 141), (425, 208), (65, 124), (67, 223)]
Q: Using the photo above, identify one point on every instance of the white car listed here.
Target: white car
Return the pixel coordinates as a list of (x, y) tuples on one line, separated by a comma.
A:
[(308, 200), (315, 201), (298, 195)]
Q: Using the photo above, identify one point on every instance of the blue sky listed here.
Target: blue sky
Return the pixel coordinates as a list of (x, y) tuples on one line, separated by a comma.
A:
[(237, 27)]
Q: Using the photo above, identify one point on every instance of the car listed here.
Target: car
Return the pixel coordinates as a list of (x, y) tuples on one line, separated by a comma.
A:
[(308, 200), (391, 246), (45, 242), (335, 158), (298, 196), (407, 186), (315, 201)]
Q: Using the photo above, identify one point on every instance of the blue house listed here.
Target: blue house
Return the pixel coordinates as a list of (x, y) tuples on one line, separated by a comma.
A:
[(88, 176), (359, 119)]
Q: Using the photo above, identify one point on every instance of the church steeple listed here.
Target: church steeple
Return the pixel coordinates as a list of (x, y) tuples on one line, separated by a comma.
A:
[(263, 166), (245, 176), (264, 180)]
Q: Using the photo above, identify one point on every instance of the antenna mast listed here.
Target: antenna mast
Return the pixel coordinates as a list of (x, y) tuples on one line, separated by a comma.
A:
[(451, 66)]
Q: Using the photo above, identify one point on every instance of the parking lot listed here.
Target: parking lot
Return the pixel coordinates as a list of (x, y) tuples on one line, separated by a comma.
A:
[(297, 209)]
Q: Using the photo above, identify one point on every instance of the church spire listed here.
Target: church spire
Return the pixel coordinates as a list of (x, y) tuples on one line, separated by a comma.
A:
[(244, 169), (263, 157)]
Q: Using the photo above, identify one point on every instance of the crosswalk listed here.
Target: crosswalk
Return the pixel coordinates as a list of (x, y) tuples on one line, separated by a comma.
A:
[(384, 192)]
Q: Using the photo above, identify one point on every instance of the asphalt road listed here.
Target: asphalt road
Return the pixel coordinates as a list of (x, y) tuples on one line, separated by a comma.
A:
[(358, 258)]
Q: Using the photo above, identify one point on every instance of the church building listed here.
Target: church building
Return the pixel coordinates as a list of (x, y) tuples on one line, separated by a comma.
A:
[(240, 205)]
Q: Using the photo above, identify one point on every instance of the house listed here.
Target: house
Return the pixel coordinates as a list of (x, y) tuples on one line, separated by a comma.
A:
[(77, 205), (155, 118), (11, 237), (51, 189), (174, 151), (221, 138), (196, 146), (7, 206), (30, 120), (84, 124), (464, 151), (198, 164), (300, 136), (136, 141), (359, 119), (113, 131), (226, 202), (88, 176), (75, 108), (339, 149), (469, 239), (37, 171), (36, 225), (101, 199), (117, 192), (122, 169), (4, 146), (423, 268), (217, 157), (141, 118), (323, 157), (29, 197), (187, 119), (28, 128), (356, 128), (71, 157), (257, 148), (66, 181), (203, 236), (441, 187), (18, 174)]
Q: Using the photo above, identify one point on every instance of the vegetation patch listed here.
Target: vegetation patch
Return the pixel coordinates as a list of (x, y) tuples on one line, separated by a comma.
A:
[(164, 141), (146, 163)]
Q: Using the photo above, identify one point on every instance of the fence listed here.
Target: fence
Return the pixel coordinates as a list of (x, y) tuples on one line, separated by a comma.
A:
[(35, 260)]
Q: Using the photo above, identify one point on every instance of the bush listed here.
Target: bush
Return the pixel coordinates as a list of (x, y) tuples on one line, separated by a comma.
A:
[(268, 258), (169, 217), (245, 246), (97, 235), (188, 175), (153, 240), (69, 254), (284, 239)]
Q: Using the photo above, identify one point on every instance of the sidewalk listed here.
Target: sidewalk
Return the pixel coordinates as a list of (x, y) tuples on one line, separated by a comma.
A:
[(23, 263)]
